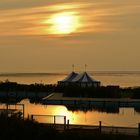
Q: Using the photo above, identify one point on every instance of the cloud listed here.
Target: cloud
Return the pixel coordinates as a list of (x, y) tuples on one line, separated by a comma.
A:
[(107, 40), (96, 16)]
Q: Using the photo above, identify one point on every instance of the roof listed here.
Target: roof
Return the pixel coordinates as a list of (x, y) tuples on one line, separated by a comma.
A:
[(70, 77), (84, 77)]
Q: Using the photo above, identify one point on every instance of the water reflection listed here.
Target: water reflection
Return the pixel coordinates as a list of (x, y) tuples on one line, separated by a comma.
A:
[(93, 108), (110, 116)]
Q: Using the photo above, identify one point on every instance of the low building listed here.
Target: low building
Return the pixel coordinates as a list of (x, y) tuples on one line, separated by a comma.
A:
[(83, 80)]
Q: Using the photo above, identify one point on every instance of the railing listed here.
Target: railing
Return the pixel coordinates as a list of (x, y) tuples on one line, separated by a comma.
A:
[(13, 109), (55, 120), (100, 127)]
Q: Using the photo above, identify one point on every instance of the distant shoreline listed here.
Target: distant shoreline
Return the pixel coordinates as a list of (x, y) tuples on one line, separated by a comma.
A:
[(64, 73)]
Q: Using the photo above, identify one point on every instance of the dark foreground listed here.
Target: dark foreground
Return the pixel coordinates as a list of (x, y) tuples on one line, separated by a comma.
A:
[(15, 128)]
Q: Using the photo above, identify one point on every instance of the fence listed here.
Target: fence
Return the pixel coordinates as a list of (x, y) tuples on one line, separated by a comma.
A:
[(13, 109), (55, 120), (60, 123)]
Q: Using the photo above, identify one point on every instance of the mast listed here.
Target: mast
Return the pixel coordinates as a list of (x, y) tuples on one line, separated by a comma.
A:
[(85, 67), (73, 67)]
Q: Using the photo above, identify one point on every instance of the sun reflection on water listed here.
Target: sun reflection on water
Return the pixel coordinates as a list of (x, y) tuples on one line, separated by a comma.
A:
[(91, 117)]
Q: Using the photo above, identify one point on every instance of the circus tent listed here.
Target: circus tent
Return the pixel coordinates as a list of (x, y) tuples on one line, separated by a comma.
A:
[(68, 79), (82, 79)]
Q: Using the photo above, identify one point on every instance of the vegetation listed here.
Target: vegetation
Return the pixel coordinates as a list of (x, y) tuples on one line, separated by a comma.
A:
[(100, 92), (14, 92), (13, 86), (91, 92), (15, 128)]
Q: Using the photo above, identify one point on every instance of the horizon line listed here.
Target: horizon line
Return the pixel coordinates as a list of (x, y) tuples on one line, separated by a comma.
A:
[(66, 72)]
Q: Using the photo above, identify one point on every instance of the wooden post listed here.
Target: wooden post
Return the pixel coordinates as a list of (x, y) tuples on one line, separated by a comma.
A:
[(68, 124), (64, 122), (32, 117), (139, 129), (23, 111), (85, 67), (100, 126), (7, 110), (73, 67), (54, 121), (28, 117)]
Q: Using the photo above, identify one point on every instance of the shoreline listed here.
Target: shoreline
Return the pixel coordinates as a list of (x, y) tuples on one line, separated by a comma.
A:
[(108, 104), (19, 78), (59, 96)]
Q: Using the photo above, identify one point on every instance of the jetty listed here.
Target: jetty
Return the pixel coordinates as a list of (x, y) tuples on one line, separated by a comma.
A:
[(57, 98)]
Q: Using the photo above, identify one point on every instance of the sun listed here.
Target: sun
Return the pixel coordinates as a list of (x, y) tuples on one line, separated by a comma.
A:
[(63, 23)]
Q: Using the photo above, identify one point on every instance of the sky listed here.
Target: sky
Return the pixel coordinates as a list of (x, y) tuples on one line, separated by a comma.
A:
[(50, 36)]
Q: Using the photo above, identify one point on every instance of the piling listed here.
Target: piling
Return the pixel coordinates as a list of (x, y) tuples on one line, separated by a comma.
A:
[(100, 126), (23, 111), (68, 124), (64, 122), (139, 129), (32, 117), (7, 109), (54, 121)]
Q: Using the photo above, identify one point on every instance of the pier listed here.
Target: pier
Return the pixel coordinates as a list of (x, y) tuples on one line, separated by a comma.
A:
[(58, 99)]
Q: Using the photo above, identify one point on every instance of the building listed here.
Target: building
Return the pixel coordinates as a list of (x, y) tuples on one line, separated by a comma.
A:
[(83, 80)]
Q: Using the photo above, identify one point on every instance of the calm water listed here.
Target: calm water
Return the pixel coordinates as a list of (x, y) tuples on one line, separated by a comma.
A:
[(124, 79), (125, 117)]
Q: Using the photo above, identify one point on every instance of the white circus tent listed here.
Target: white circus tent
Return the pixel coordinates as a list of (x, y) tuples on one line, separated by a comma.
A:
[(68, 80), (83, 80)]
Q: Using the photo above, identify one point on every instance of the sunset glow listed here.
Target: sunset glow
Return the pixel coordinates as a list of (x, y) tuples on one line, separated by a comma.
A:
[(69, 69), (79, 32), (63, 23)]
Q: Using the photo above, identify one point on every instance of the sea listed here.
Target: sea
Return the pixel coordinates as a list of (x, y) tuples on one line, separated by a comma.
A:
[(121, 78)]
